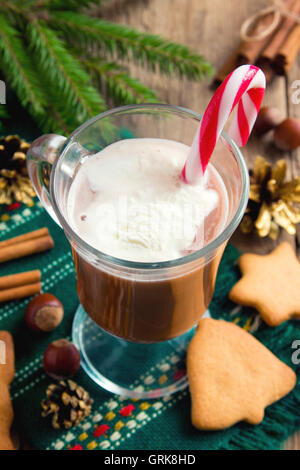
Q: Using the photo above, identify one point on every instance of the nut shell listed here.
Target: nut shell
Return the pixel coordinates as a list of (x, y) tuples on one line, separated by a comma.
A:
[(44, 313), (268, 118), (287, 134), (61, 359)]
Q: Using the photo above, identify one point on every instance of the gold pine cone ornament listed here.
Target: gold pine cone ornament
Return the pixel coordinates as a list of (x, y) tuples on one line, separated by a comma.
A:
[(68, 404), (273, 202), (15, 184)]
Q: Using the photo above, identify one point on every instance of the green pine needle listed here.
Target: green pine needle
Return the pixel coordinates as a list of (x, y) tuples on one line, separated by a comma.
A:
[(56, 121), (3, 112), (3, 115), (72, 5), (118, 84), (18, 70), (61, 63), (168, 57), (64, 72)]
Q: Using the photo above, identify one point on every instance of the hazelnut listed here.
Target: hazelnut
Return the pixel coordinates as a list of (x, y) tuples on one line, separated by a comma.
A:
[(44, 313), (267, 119), (61, 359), (287, 134)]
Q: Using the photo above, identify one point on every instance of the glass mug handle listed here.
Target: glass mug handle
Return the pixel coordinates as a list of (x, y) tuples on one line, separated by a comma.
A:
[(40, 157)]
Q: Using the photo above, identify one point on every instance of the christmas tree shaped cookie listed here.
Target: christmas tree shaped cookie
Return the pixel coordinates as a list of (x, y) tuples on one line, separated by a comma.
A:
[(232, 376)]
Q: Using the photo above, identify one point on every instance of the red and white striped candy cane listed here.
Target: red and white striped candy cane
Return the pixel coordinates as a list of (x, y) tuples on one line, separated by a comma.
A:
[(244, 86)]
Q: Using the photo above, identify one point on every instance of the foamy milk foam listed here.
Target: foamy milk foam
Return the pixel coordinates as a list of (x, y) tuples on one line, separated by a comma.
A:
[(129, 201)]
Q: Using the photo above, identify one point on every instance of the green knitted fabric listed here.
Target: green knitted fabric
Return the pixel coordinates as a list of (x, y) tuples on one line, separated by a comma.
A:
[(159, 424)]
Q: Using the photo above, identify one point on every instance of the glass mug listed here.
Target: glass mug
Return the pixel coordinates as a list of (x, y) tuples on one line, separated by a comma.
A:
[(135, 319)]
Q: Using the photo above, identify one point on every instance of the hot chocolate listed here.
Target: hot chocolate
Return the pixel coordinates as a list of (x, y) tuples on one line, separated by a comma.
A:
[(128, 201)]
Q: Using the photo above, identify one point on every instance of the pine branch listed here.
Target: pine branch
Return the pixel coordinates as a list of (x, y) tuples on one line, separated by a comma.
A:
[(3, 112), (39, 61), (113, 79), (64, 73), (72, 5), (54, 121), (18, 70), (59, 119), (3, 115), (8, 7), (168, 57), (44, 5)]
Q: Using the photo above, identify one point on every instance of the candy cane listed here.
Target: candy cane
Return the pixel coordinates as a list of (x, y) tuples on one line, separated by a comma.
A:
[(244, 86)]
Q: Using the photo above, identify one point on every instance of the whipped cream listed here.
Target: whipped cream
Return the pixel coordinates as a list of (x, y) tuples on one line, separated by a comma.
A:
[(129, 201)]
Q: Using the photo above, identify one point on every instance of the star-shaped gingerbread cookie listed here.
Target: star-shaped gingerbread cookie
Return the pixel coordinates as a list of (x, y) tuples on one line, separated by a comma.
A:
[(271, 284)]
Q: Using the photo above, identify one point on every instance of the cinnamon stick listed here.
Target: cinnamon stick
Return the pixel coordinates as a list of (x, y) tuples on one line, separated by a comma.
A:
[(25, 236), (26, 248), (19, 292), (268, 71), (269, 53), (247, 51), (227, 67), (20, 279), (288, 52)]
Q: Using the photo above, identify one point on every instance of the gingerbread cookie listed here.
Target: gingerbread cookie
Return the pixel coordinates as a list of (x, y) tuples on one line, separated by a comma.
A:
[(270, 284), (7, 371), (232, 376)]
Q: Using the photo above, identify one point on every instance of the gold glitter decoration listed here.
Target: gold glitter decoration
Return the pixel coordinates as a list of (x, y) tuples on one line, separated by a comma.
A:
[(15, 184), (273, 202)]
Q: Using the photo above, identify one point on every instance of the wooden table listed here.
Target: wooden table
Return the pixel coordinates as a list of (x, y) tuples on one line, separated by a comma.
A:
[(211, 27)]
